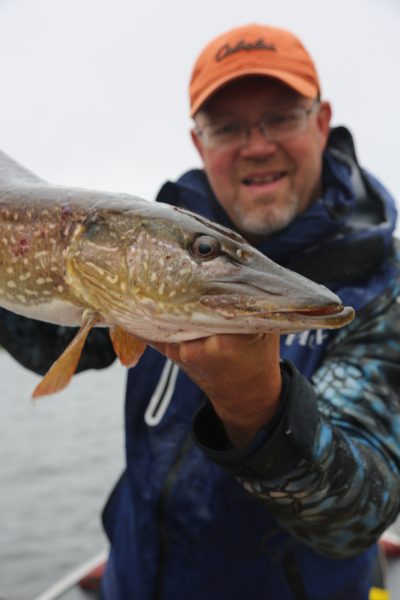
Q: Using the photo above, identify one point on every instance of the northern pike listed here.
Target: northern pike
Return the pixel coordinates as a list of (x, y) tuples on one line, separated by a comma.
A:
[(148, 271)]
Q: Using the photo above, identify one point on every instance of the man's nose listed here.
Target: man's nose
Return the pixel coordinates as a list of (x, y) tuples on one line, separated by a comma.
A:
[(257, 141)]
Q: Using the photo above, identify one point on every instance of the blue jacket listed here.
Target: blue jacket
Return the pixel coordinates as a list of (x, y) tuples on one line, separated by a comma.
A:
[(297, 513)]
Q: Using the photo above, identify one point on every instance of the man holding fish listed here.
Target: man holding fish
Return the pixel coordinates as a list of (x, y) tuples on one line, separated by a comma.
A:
[(263, 451)]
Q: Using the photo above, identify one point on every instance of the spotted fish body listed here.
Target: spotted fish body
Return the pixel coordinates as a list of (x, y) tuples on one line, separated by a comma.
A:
[(32, 259), (37, 222), (147, 271)]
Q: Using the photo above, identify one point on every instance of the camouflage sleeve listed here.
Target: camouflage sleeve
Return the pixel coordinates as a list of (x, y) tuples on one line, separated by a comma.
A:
[(36, 345), (330, 470)]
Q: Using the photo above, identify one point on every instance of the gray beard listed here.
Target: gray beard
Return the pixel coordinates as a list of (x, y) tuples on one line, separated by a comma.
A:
[(254, 225)]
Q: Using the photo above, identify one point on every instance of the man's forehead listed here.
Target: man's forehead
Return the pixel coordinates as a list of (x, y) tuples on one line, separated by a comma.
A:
[(237, 93)]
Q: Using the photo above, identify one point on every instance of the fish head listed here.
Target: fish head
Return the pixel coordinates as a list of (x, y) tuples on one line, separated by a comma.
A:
[(165, 273)]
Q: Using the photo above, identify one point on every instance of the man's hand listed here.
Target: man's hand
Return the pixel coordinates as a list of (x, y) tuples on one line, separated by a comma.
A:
[(240, 374)]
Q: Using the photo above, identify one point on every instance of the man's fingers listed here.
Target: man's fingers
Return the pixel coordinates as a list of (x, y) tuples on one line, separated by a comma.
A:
[(182, 352), (212, 348)]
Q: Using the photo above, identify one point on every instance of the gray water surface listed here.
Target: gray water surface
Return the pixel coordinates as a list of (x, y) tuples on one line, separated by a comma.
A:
[(59, 458)]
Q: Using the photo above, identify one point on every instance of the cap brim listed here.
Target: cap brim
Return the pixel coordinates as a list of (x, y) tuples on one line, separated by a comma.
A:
[(305, 88)]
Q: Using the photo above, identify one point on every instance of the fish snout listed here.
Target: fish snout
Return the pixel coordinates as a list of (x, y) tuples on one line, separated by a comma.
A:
[(271, 290)]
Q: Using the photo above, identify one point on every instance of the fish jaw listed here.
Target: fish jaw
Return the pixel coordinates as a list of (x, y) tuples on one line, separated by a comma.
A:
[(284, 321), (271, 298)]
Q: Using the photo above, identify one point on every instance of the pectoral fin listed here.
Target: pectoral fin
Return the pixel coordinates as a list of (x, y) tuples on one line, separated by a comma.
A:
[(127, 347), (61, 371)]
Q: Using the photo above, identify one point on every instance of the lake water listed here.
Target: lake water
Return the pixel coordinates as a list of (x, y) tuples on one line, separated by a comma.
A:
[(59, 458)]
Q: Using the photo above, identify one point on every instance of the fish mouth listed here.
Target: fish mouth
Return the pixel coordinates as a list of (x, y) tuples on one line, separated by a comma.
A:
[(288, 318), (327, 317), (317, 312), (254, 305)]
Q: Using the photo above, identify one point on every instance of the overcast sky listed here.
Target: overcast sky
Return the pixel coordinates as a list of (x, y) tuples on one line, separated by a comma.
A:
[(94, 92)]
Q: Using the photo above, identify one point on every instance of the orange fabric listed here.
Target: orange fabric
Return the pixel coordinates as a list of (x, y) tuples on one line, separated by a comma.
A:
[(252, 50), (92, 581)]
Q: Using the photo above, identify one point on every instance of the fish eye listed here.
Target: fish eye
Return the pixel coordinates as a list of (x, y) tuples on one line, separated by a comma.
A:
[(205, 247), (94, 227)]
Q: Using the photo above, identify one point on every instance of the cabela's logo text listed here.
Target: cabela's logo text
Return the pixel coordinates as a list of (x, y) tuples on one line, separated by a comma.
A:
[(227, 50)]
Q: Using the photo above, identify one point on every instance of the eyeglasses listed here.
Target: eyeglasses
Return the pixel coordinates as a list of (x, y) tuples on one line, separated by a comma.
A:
[(277, 127)]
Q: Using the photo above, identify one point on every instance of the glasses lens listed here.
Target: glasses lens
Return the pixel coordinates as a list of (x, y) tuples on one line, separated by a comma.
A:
[(222, 133), (285, 124)]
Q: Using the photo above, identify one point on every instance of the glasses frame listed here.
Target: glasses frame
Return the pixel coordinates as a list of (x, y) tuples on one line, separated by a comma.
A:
[(244, 133)]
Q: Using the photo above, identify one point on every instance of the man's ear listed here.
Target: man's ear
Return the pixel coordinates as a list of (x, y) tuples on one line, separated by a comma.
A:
[(197, 142), (324, 117)]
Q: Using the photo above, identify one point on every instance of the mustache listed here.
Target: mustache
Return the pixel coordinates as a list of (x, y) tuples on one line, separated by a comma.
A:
[(251, 164)]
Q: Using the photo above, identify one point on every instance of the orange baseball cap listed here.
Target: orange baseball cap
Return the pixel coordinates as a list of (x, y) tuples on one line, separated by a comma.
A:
[(252, 50)]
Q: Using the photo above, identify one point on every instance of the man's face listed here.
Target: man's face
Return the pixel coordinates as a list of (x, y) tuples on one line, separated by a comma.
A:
[(262, 184)]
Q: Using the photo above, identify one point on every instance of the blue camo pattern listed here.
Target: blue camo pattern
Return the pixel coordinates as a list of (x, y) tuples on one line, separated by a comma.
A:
[(358, 439)]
